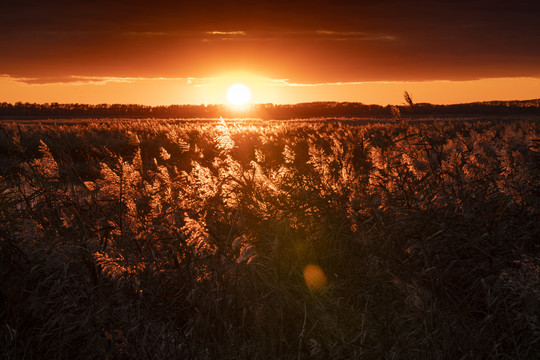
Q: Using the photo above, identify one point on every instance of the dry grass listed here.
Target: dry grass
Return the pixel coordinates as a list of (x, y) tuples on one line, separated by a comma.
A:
[(190, 240)]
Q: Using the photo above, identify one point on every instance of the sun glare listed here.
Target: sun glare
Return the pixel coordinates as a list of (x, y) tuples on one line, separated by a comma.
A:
[(238, 94)]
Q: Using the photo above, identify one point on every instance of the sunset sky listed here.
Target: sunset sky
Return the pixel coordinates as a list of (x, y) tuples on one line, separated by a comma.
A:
[(190, 52)]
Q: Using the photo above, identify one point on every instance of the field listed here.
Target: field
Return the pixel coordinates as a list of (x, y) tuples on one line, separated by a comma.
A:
[(265, 239)]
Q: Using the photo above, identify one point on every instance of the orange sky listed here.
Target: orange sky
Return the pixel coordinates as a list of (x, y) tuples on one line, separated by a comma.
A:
[(213, 91), (167, 52)]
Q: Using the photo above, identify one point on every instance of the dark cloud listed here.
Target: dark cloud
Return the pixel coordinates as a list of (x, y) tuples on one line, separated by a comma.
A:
[(301, 40)]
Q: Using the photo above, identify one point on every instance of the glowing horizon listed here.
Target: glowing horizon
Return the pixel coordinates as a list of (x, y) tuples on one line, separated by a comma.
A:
[(213, 90)]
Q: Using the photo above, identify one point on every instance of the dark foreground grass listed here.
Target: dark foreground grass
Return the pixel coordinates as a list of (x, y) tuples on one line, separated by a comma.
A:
[(158, 240)]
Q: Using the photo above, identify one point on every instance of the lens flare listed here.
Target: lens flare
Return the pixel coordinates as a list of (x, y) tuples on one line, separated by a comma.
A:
[(314, 277)]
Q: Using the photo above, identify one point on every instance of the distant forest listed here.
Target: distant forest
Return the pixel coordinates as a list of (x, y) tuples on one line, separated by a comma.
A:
[(21, 110)]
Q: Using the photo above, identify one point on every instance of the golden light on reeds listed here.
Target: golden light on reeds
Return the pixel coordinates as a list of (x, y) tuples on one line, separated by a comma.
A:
[(314, 277)]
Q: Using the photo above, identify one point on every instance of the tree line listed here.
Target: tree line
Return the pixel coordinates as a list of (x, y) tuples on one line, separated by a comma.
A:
[(326, 109)]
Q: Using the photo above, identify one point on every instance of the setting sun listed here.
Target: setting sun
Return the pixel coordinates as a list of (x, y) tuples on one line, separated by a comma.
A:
[(238, 94)]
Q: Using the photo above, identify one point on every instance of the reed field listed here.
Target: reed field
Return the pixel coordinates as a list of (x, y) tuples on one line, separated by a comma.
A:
[(251, 239)]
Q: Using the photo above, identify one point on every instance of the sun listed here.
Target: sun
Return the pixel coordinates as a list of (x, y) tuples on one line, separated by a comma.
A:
[(238, 94)]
